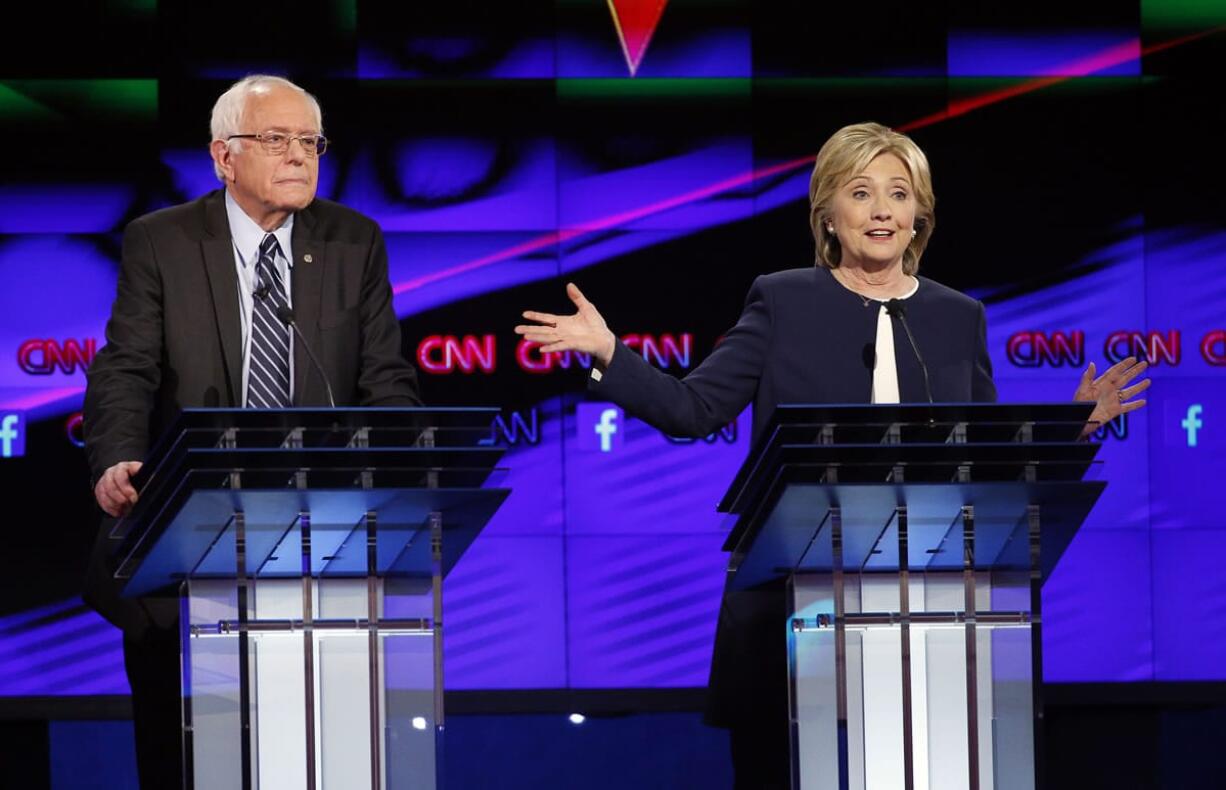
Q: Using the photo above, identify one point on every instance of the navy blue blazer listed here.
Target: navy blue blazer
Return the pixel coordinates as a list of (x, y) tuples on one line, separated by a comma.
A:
[(802, 338)]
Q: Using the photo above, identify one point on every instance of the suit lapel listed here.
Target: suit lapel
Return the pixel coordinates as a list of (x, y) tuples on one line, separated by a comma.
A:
[(218, 251), (306, 284)]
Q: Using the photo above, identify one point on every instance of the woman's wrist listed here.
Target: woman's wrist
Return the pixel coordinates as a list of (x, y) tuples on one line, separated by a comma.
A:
[(605, 356)]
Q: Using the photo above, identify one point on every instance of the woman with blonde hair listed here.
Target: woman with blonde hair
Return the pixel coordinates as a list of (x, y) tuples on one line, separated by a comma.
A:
[(837, 332)]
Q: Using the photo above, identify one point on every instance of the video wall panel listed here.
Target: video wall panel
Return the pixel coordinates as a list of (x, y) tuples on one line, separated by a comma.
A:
[(658, 155)]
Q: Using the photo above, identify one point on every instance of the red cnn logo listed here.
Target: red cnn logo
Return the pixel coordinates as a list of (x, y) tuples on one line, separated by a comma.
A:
[(1152, 346), (530, 358), (662, 350), (1213, 348), (74, 430), (1033, 349), (440, 354), (43, 357)]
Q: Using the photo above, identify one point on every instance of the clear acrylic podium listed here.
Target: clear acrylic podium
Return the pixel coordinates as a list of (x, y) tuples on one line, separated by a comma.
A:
[(309, 548), (915, 540)]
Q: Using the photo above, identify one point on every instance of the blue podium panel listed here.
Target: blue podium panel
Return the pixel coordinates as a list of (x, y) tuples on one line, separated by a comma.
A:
[(791, 536), (308, 548), (913, 540), (193, 542), (932, 434)]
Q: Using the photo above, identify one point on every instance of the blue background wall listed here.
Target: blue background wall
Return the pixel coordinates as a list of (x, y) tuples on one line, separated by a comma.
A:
[(505, 148)]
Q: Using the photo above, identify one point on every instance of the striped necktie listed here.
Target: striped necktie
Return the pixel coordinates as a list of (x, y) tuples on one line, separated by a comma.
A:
[(268, 373)]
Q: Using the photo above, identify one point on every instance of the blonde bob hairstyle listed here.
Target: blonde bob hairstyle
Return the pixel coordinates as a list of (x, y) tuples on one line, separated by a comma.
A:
[(842, 158)]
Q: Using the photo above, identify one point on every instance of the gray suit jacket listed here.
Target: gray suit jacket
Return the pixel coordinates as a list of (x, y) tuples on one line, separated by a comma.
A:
[(174, 339)]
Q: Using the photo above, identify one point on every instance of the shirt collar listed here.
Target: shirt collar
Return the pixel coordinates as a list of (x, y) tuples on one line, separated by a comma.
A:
[(248, 236)]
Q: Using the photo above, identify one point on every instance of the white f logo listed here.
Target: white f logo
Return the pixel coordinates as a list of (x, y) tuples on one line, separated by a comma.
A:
[(7, 434), (1192, 422), (606, 428)]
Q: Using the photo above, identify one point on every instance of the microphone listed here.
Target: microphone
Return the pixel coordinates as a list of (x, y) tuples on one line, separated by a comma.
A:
[(262, 288), (898, 309), (286, 315)]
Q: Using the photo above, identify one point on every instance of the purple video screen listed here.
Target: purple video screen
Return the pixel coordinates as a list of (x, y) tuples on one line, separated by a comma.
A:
[(662, 163)]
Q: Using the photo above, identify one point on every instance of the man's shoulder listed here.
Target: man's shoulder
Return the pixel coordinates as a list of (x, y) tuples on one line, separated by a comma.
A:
[(327, 219), (184, 215), (332, 221)]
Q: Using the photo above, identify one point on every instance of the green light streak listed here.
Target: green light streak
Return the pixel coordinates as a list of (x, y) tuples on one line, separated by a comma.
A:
[(345, 12), (16, 106), (1188, 15), (652, 88), (51, 100)]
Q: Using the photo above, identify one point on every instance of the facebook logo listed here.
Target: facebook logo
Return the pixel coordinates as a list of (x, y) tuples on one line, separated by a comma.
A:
[(12, 435), (1192, 422), (600, 426)]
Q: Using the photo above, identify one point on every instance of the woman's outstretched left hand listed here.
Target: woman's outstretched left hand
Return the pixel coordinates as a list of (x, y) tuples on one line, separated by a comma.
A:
[(584, 331), (1110, 392)]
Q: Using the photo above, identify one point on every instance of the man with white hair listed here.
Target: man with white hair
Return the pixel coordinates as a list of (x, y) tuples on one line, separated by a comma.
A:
[(195, 323)]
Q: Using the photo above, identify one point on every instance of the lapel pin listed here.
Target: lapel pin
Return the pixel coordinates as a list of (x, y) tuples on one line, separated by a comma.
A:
[(307, 258)]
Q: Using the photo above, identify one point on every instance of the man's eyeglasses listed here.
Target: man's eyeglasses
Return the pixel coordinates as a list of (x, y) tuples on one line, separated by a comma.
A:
[(277, 143)]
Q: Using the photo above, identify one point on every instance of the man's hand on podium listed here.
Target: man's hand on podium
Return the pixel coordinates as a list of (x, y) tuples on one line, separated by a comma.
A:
[(585, 331), (114, 490)]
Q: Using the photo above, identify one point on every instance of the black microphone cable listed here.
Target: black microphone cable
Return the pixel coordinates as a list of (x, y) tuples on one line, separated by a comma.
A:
[(287, 317)]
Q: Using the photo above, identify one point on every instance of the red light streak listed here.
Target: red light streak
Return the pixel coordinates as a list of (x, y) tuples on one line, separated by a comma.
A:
[(41, 397), (1112, 56)]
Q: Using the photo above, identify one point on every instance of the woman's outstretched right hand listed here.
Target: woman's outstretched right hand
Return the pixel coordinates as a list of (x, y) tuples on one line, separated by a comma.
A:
[(585, 331)]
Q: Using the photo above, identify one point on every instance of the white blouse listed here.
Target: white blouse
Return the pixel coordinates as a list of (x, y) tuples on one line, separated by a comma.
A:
[(885, 368)]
